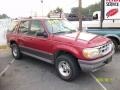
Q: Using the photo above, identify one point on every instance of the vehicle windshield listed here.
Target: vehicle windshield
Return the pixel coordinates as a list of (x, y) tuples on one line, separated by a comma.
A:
[(60, 26)]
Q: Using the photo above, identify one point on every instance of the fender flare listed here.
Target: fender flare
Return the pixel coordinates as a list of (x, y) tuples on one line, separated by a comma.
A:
[(113, 35), (68, 49)]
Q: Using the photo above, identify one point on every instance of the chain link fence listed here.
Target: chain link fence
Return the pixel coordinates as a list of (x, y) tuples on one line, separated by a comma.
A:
[(4, 24)]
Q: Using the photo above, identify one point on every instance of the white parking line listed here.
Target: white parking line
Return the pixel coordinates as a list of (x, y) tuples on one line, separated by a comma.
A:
[(6, 68), (94, 77)]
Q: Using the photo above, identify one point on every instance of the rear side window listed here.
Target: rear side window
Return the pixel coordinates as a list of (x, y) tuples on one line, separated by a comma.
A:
[(13, 26)]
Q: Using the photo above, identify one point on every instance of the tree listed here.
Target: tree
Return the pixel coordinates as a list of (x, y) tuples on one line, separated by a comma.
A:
[(75, 10), (58, 10), (3, 16), (88, 11)]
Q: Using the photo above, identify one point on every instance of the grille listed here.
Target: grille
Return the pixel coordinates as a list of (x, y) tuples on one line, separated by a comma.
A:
[(106, 48)]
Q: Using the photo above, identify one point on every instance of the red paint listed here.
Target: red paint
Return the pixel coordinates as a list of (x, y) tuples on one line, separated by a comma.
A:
[(112, 0), (55, 43), (112, 12)]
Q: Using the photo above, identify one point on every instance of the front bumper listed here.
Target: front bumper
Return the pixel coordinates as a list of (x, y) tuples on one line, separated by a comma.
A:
[(92, 66)]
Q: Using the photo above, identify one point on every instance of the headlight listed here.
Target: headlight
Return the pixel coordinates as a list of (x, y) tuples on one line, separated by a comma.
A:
[(91, 53)]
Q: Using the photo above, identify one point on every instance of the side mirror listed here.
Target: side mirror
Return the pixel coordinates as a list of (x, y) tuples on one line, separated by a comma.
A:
[(44, 34)]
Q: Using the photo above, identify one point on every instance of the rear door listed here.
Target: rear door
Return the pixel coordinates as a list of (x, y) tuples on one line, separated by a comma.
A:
[(24, 29), (12, 31)]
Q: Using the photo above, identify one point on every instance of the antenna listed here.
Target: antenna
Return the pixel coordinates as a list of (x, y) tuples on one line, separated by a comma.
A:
[(42, 7)]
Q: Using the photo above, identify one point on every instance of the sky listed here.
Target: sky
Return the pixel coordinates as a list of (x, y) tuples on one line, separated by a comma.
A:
[(23, 8)]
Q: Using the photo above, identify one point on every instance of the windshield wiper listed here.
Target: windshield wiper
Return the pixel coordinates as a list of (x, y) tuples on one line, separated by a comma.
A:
[(59, 32), (64, 32), (71, 31)]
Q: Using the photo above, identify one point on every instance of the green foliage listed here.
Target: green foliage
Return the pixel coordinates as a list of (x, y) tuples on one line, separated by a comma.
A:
[(58, 10), (3, 16), (88, 11)]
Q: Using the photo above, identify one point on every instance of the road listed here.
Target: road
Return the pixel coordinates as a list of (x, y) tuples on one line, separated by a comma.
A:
[(32, 74)]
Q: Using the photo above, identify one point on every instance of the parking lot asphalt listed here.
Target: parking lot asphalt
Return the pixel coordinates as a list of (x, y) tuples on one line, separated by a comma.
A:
[(33, 74)]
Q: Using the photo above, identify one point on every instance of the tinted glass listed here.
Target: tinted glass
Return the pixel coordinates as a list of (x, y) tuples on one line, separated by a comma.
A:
[(60, 26), (24, 27), (36, 27)]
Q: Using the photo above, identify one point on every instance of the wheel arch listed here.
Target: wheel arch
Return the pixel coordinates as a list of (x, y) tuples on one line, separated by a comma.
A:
[(61, 52), (64, 52), (114, 37), (12, 42)]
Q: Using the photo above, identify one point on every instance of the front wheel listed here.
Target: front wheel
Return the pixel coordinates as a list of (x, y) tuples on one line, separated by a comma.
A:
[(67, 67), (16, 51)]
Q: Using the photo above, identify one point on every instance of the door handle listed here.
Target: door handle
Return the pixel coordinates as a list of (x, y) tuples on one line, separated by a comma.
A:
[(31, 39)]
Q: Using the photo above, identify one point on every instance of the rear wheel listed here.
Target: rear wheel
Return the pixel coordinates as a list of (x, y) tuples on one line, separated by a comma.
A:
[(67, 67), (16, 51)]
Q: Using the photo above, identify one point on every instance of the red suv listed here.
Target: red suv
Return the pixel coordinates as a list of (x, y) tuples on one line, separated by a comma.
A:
[(56, 41)]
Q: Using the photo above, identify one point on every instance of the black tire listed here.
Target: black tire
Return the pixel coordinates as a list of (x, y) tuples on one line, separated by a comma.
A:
[(115, 45), (16, 51), (72, 65)]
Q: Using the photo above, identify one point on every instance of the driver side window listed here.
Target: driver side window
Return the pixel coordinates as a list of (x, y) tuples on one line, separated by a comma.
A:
[(24, 27), (36, 27)]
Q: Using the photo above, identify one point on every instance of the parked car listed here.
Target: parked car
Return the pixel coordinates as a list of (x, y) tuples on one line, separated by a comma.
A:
[(110, 28), (56, 41), (72, 17)]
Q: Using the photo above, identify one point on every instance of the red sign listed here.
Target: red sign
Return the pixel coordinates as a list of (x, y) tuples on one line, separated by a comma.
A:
[(112, 9)]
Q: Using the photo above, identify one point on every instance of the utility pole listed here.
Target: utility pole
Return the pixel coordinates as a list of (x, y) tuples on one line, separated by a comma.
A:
[(80, 15), (42, 7), (102, 13)]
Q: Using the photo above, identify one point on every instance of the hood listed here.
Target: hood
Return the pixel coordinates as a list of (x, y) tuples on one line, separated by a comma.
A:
[(81, 36), (82, 39)]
